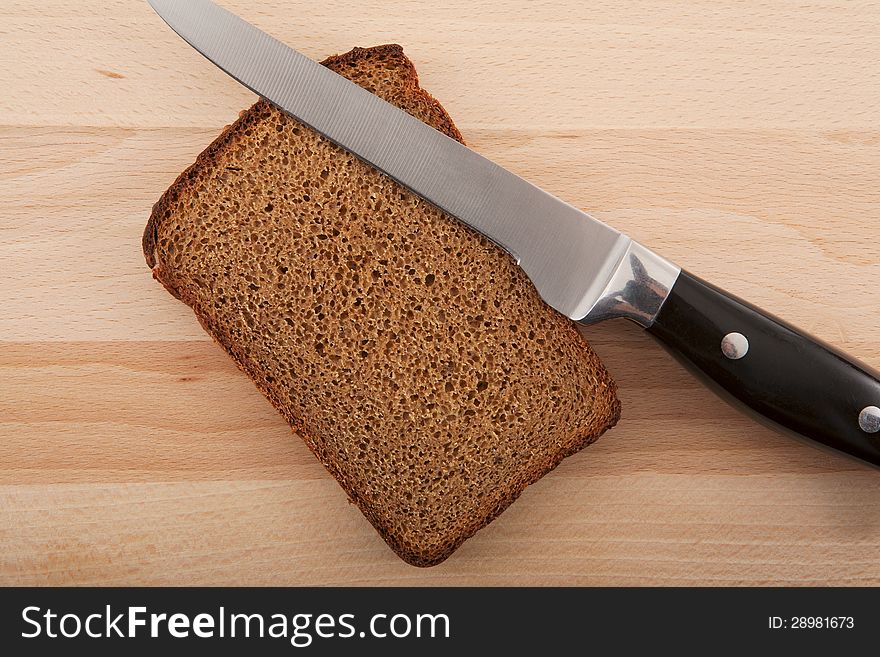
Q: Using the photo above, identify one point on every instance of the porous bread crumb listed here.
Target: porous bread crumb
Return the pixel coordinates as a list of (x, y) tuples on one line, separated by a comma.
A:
[(412, 355)]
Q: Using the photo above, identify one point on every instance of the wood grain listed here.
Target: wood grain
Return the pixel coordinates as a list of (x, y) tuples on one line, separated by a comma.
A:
[(739, 139)]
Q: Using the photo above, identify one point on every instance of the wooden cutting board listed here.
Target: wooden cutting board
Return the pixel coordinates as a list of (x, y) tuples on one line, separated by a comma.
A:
[(739, 139)]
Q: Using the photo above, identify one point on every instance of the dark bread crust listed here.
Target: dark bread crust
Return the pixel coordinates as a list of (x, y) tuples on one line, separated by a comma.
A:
[(434, 114)]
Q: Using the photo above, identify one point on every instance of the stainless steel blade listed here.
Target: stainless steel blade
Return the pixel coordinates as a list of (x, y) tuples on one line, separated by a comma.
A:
[(571, 258)]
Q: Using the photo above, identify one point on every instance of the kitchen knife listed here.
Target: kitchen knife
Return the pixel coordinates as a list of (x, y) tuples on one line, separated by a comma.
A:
[(580, 266)]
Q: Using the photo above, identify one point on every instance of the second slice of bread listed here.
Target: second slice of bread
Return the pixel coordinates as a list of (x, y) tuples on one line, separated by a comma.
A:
[(412, 355)]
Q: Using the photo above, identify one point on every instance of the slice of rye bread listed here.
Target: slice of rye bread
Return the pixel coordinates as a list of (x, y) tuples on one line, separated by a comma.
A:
[(412, 355)]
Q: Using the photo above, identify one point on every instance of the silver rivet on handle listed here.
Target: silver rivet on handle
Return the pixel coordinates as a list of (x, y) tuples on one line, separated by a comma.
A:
[(734, 346), (869, 419)]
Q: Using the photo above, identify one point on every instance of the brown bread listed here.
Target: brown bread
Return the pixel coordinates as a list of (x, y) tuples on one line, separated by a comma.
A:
[(413, 356)]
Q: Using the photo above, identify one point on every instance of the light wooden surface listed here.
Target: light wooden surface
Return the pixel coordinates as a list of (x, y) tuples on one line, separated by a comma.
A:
[(740, 139)]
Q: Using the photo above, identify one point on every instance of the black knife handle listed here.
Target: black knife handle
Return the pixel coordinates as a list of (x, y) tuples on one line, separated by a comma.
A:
[(785, 375)]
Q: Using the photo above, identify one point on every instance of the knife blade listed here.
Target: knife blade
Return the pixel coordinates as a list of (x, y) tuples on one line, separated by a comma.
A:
[(580, 266)]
